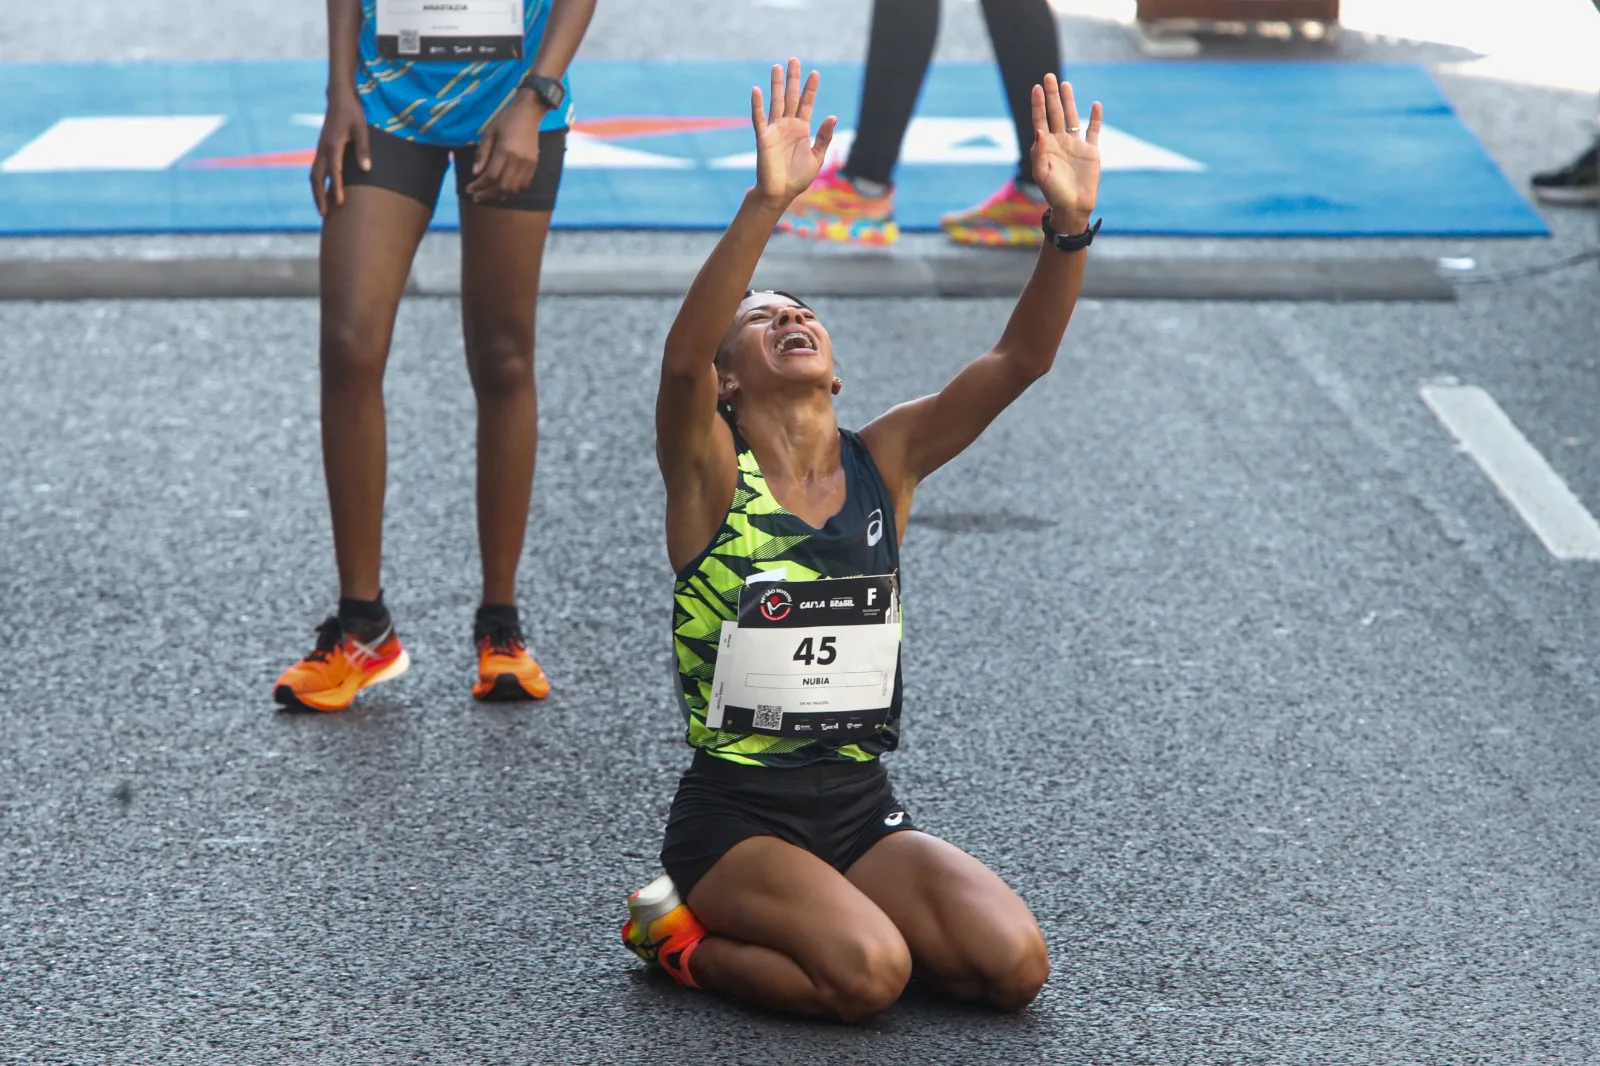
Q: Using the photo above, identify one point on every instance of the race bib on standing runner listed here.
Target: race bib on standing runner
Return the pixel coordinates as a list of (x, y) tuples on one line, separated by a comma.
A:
[(809, 659), (462, 31)]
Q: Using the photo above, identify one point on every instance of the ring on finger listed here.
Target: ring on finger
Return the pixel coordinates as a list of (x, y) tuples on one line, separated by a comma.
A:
[(1074, 129)]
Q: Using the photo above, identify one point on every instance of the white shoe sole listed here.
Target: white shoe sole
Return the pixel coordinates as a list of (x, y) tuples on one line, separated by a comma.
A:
[(1587, 194)]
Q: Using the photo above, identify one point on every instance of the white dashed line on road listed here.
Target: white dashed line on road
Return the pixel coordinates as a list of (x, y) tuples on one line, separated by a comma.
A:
[(1541, 497)]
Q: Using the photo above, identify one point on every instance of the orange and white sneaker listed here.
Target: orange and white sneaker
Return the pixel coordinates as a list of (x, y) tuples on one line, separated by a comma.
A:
[(833, 209), (662, 930), (505, 669), (1008, 219), (340, 666)]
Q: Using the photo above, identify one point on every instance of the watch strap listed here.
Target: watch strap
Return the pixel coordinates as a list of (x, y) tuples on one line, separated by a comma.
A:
[(548, 89), (1065, 242)]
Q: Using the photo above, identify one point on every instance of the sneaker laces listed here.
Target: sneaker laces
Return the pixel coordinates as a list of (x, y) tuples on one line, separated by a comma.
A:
[(504, 637), (329, 635)]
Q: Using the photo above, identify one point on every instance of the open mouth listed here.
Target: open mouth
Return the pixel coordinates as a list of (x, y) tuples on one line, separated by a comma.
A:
[(794, 342)]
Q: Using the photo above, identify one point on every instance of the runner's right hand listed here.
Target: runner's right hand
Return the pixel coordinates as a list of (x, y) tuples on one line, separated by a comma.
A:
[(345, 122), (787, 159)]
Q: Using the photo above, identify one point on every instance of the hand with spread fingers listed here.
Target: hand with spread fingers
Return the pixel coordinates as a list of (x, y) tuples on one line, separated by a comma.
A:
[(1066, 157), (787, 158)]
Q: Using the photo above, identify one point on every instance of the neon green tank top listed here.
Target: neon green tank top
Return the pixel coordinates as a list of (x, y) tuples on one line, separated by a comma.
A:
[(760, 539)]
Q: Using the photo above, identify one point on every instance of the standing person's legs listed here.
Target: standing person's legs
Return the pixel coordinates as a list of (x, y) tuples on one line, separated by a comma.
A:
[(855, 203), (368, 242), (367, 248), (502, 255), (899, 52), (502, 247), (1027, 47)]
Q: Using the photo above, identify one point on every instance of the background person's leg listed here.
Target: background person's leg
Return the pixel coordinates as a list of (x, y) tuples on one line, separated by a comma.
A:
[(899, 52), (1027, 46), (502, 255), (855, 203), (367, 248), (1578, 182), (969, 933)]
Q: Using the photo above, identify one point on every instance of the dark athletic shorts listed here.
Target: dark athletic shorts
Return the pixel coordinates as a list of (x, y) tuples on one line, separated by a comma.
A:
[(835, 810), (417, 170)]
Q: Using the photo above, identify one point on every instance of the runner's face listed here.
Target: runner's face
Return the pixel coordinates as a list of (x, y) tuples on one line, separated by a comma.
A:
[(778, 343)]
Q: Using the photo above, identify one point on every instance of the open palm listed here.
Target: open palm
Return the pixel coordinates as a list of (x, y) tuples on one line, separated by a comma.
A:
[(787, 159), (1066, 159)]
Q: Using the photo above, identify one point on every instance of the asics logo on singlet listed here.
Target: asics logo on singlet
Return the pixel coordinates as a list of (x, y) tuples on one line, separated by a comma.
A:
[(874, 528), (895, 819)]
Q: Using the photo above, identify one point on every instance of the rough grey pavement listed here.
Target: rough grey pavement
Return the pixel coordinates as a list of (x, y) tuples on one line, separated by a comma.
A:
[(1218, 650)]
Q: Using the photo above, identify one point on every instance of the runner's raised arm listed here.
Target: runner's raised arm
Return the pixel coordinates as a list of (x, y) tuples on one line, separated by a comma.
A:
[(693, 447), (914, 439)]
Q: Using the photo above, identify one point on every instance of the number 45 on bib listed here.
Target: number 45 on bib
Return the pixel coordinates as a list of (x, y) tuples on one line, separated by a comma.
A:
[(809, 659)]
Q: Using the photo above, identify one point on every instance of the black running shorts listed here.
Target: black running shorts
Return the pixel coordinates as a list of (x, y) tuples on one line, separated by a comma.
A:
[(417, 170), (835, 810)]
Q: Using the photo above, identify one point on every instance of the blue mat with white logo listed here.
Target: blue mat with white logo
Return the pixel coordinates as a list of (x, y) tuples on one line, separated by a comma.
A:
[(1197, 149)]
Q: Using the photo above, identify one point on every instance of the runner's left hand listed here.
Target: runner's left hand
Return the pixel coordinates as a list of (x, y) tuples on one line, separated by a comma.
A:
[(508, 155), (1066, 160)]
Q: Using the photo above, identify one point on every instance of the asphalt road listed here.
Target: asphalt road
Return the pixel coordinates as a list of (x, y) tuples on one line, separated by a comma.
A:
[(1218, 650)]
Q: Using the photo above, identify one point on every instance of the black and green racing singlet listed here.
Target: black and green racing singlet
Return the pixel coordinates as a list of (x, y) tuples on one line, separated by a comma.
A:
[(759, 538)]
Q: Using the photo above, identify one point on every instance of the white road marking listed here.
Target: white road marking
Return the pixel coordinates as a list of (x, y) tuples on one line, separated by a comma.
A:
[(969, 141), (1517, 469), (585, 151), (113, 142)]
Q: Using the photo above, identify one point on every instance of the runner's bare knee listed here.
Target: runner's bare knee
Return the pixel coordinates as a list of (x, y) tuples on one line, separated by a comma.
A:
[(1014, 968), (865, 973)]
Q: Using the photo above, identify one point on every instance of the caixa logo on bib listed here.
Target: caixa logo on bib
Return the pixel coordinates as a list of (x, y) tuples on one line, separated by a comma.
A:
[(776, 605)]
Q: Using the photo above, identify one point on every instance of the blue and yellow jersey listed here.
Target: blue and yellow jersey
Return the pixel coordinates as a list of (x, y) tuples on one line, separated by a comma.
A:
[(441, 102)]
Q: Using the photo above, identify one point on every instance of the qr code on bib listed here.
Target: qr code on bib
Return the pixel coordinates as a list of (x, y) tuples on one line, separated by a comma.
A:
[(768, 716), (410, 42)]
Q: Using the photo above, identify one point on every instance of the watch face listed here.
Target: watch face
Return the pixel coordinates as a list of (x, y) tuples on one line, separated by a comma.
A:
[(550, 90)]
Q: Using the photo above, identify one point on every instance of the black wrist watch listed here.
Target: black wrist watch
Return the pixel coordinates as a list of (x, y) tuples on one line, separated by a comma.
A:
[(1065, 243), (549, 90)]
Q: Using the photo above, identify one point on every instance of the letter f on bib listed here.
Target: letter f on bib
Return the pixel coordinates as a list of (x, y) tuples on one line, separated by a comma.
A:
[(872, 595)]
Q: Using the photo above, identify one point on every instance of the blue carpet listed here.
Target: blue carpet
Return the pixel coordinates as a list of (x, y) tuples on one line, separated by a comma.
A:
[(1199, 149)]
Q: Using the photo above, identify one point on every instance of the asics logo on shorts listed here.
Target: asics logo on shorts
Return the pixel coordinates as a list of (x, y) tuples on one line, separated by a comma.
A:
[(874, 528), (895, 819)]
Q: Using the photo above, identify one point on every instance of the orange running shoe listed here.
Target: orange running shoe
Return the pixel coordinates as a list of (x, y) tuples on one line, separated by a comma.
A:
[(339, 667), (1008, 219), (505, 669), (662, 930), (833, 209)]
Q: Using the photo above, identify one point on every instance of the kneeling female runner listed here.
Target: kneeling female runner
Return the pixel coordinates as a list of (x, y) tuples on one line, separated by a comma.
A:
[(794, 878)]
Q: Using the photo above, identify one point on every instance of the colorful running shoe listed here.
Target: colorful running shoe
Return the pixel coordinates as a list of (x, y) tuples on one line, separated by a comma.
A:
[(833, 209), (505, 669), (340, 666), (1008, 219), (662, 930)]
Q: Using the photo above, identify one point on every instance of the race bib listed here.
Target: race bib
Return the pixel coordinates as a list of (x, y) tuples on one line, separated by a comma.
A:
[(461, 31), (809, 659)]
